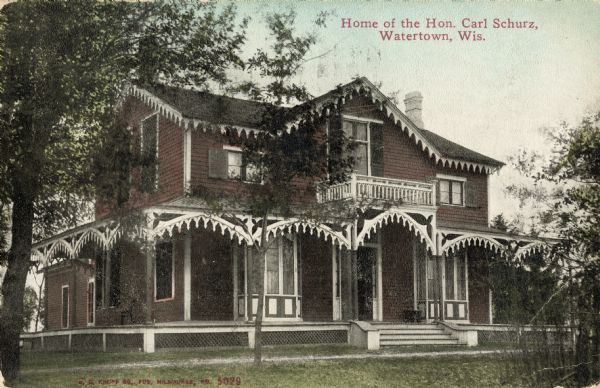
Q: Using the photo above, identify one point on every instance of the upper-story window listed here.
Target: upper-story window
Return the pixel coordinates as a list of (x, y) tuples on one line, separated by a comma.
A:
[(237, 169), (149, 151), (228, 163), (368, 136), (456, 191), (451, 192)]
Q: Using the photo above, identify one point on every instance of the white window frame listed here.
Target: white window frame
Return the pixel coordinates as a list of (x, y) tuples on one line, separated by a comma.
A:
[(229, 148), (280, 267), (451, 179), (172, 297), (93, 296), (157, 114), (367, 121), (455, 279), (62, 306)]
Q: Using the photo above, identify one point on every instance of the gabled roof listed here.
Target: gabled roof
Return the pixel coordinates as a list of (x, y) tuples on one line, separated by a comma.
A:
[(212, 108), (456, 151), (442, 150), (192, 109)]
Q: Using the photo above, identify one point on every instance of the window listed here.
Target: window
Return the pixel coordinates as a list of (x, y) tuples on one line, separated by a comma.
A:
[(163, 279), (368, 137), (65, 306), (149, 154), (236, 168), (287, 264), (450, 286), (272, 261), (91, 302), (234, 165), (281, 267), (432, 279), (461, 277), (228, 163), (451, 192), (456, 279)]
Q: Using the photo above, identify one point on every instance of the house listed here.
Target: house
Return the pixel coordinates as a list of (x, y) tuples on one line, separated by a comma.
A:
[(424, 258)]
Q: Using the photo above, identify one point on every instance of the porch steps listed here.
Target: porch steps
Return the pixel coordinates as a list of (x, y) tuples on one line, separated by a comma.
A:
[(412, 335)]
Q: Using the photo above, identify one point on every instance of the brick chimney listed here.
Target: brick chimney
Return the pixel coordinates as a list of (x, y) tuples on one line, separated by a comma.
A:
[(414, 102)]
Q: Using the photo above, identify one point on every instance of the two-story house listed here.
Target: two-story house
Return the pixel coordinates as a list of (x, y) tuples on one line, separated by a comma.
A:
[(422, 259)]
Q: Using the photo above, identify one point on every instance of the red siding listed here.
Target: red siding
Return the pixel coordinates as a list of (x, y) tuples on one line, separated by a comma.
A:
[(212, 278), (172, 309), (397, 272), (76, 276), (317, 298), (132, 282), (403, 159), (202, 142), (479, 307), (170, 156)]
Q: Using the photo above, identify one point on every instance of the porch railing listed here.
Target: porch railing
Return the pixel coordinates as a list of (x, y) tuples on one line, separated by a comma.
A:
[(378, 188), (184, 335)]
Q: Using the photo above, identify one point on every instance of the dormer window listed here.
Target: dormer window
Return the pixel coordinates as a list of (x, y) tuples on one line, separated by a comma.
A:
[(367, 134), (149, 154)]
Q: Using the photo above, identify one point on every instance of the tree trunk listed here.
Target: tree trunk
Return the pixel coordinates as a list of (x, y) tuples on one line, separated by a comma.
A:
[(259, 264), (13, 286)]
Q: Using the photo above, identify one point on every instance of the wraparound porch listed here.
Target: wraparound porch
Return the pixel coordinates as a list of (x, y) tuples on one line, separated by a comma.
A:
[(379, 268), (199, 335)]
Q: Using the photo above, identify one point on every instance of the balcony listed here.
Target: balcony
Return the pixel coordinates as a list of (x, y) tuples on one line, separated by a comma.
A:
[(362, 187)]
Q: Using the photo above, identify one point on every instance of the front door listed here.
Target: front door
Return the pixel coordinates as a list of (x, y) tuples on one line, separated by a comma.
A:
[(366, 262)]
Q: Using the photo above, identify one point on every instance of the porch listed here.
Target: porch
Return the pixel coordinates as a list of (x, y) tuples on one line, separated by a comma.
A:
[(389, 266), (192, 335)]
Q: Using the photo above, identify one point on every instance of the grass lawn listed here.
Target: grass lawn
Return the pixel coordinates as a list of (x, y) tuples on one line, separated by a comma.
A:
[(447, 372)]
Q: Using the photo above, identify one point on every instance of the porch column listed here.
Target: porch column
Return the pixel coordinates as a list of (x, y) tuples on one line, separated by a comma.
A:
[(354, 261), (439, 263), (187, 276), (442, 289), (150, 261)]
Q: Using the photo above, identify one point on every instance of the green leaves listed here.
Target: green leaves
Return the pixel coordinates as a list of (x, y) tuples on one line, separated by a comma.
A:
[(64, 68)]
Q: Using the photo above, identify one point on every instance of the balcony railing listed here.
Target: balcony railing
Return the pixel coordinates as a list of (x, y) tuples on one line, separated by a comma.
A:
[(384, 189)]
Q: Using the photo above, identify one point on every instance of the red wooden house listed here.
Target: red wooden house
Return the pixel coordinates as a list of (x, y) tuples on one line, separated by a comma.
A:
[(422, 259)]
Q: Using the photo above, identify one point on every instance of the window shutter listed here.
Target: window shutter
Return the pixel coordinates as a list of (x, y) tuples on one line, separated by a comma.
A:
[(376, 149), (437, 193), (470, 200), (217, 163)]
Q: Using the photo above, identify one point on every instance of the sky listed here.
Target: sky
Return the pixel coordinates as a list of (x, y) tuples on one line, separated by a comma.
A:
[(494, 95)]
